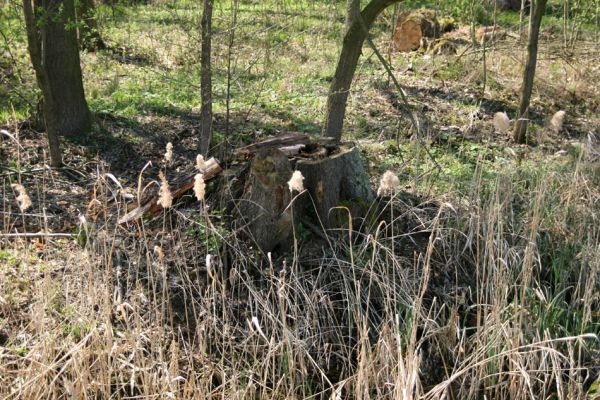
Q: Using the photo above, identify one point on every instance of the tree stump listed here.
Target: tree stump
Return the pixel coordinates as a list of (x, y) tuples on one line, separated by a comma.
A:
[(337, 180), (333, 176), (264, 205), (411, 28)]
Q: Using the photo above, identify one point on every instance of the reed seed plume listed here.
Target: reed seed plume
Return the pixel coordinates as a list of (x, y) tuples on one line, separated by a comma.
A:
[(199, 186), (556, 123), (200, 163), (501, 122), (165, 199), (389, 183), (169, 153), (296, 182), (23, 198)]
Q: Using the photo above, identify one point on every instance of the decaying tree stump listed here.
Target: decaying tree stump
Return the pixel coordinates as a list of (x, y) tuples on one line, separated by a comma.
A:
[(333, 177), (264, 207), (411, 28), (336, 180)]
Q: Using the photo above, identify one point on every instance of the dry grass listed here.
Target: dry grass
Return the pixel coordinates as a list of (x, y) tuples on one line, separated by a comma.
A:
[(435, 302), (493, 293)]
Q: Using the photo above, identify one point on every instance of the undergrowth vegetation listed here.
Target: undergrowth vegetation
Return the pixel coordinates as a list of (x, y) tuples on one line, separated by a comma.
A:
[(478, 277)]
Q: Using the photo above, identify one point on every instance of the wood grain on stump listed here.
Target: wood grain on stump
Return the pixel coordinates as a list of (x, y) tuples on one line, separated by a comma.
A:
[(263, 207), (336, 180), (334, 177)]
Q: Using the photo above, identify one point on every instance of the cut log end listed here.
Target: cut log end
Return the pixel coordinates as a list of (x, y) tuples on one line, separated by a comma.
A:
[(413, 28)]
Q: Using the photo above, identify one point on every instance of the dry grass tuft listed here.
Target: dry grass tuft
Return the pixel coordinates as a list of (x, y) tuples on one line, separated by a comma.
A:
[(556, 123), (388, 183), (296, 182), (23, 198), (501, 122), (165, 199), (199, 187)]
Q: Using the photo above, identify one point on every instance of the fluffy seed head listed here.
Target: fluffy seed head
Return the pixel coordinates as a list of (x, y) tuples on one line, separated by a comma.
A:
[(501, 122), (23, 198), (165, 199), (169, 153), (296, 182), (209, 268), (199, 186), (389, 183), (556, 123), (200, 163)]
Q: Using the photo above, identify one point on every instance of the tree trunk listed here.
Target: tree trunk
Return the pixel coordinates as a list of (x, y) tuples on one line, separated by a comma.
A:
[(89, 35), (520, 134), (358, 24), (54, 54), (206, 78)]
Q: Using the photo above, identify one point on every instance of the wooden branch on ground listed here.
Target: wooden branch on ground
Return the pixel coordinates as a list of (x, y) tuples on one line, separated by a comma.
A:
[(35, 235), (285, 140), (291, 144), (150, 202)]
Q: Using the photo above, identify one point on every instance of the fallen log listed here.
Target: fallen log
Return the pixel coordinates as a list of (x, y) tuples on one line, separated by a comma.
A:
[(182, 185), (489, 34)]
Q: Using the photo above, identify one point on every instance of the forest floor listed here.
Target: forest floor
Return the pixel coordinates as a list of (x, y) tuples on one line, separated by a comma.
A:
[(486, 283)]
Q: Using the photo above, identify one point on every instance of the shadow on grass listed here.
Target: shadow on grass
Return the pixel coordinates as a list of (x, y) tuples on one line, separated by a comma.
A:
[(127, 144)]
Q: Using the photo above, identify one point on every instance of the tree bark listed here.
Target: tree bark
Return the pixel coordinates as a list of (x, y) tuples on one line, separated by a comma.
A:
[(206, 78), (354, 37), (337, 180), (89, 35), (264, 207), (54, 52), (520, 133)]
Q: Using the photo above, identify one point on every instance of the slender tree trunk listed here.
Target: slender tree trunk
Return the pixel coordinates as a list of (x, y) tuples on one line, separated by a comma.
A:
[(234, 5), (520, 134), (54, 53), (89, 35), (354, 37), (206, 78)]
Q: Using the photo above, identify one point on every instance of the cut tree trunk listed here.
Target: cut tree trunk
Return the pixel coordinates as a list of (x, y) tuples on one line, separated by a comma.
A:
[(333, 176), (512, 5), (520, 134), (264, 209), (337, 180), (411, 28)]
